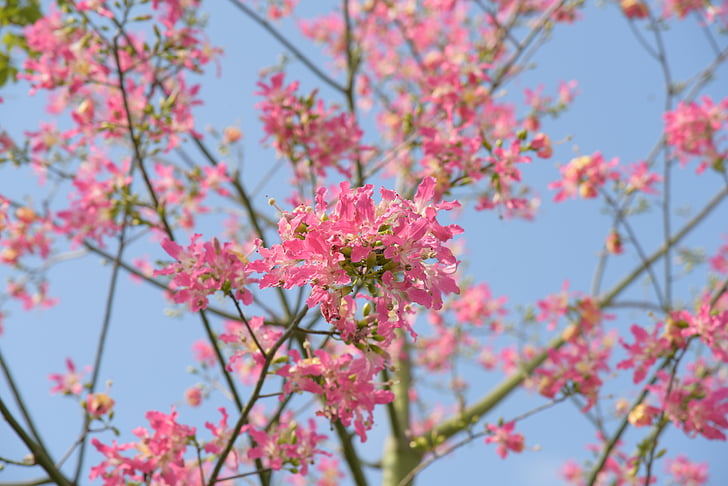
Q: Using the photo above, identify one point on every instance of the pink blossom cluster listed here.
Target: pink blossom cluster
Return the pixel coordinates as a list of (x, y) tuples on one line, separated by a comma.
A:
[(63, 53), (245, 358), (94, 208), (442, 117), (709, 325), (201, 269), (437, 351), (681, 8), (620, 468), (310, 135), (278, 9), (647, 348), (697, 403), (506, 438), (23, 232), (578, 367), (479, 306), (685, 472), (106, 87), (580, 364), (185, 192), (71, 382), (159, 455), (394, 251), (22, 291), (697, 130), (719, 261), (343, 383), (290, 444), (584, 176), (451, 335)]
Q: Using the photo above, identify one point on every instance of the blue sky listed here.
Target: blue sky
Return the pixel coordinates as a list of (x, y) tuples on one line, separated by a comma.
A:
[(618, 111)]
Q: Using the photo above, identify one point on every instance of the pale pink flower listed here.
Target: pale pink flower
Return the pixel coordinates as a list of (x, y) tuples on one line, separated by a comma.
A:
[(506, 439)]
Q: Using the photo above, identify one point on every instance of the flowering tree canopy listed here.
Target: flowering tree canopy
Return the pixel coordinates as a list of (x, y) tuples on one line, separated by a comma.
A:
[(329, 259)]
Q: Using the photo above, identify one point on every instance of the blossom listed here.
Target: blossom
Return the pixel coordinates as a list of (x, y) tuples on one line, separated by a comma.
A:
[(644, 352), (158, 458), (245, 356), (394, 250), (584, 176), (290, 443), (69, 383), (687, 473), (696, 403), (634, 9), (542, 144), (506, 439), (202, 269), (641, 179), (614, 243), (232, 134), (344, 384), (310, 135), (692, 130), (193, 396), (681, 8), (99, 404)]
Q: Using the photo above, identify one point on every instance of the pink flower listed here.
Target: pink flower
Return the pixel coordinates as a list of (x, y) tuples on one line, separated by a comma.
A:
[(584, 176), (70, 382), (312, 137), (289, 443), (506, 439), (687, 473), (344, 384), (159, 454), (644, 352), (614, 243), (542, 144), (640, 179), (193, 396), (202, 269), (394, 250), (692, 130), (696, 404), (99, 404), (231, 135), (221, 433), (719, 261), (681, 8), (634, 9)]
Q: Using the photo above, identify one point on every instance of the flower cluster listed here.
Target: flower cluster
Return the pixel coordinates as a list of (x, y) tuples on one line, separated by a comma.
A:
[(394, 250), (69, 383), (693, 130), (506, 439), (106, 90), (344, 384), (245, 358), (289, 444), (584, 176), (159, 455), (311, 136), (183, 194), (201, 269), (709, 325), (579, 365), (23, 232), (644, 352), (686, 472), (619, 468), (696, 403)]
